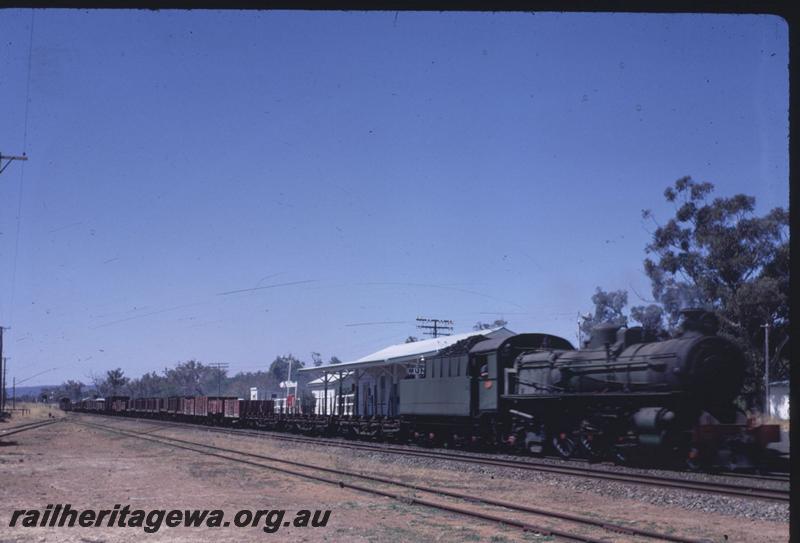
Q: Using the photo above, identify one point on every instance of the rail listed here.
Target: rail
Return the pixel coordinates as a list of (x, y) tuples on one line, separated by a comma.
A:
[(224, 452)]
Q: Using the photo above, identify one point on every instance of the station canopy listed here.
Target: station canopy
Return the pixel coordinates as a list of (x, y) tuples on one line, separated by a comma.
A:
[(409, 352)]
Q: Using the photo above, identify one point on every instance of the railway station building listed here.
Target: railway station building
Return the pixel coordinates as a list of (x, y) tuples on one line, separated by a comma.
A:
[(368, 386)]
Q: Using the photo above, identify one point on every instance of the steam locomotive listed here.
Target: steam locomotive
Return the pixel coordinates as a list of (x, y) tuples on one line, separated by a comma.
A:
[(624, 396)]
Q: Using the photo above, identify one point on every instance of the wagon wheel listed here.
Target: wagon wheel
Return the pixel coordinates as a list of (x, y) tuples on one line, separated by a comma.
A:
[(564, 445)]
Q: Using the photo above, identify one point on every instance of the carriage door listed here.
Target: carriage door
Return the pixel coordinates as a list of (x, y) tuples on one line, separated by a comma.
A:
[(486, 366)]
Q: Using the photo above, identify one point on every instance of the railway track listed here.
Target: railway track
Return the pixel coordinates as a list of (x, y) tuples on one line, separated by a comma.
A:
[(25, 427), (720, 488), (311, 472)]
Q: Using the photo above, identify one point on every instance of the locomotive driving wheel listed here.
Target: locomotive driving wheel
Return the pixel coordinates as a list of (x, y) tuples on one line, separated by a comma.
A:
[(694, 460), (564, 445), (591, 441), (624, 450)]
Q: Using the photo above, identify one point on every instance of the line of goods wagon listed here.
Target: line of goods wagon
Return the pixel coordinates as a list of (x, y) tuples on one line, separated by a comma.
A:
[(180, 407)]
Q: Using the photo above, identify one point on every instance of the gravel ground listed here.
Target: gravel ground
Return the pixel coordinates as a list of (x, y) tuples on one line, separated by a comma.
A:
[(93, 469), (690, 514), (692, 501), (612, 468)]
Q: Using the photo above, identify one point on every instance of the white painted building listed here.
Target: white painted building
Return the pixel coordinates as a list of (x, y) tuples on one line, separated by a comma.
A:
[(326, 398), (779, 400)]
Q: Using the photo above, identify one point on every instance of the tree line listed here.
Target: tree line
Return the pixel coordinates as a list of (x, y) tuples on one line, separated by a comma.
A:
[(715, 254), (190, 378)]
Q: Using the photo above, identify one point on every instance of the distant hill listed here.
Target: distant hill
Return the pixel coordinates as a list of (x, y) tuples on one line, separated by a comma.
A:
[(34, 392), (21, 391), (27, 391)]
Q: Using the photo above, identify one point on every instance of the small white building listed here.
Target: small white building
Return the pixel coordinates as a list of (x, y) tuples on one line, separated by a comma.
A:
[(779, 400), (327, 392)]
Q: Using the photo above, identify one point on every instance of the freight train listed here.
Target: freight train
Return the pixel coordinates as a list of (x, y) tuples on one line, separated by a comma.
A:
[(623, 396)]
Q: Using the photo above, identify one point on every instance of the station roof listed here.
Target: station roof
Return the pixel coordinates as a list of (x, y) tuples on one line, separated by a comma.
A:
[(332, 378), (409, 352)]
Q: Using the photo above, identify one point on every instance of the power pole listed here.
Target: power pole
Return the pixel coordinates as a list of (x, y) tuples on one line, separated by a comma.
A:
[(5, 377), (436, 327), (766, 328), (2, 374), (9, 159), (219, 367)]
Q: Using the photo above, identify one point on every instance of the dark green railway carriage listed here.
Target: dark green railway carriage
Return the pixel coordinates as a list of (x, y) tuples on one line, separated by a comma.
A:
[(456, 394)]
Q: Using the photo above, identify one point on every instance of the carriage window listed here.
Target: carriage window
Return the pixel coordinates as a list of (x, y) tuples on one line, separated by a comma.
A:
[(441, 367)]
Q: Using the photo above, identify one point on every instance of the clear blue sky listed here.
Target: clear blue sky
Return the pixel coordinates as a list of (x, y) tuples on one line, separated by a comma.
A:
[(370, 167)]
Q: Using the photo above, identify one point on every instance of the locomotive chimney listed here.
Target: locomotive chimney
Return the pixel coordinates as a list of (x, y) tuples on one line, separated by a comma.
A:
[(604, 334)]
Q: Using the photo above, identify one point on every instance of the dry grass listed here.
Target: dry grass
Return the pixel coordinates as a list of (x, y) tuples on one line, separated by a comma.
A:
[(36, 411)]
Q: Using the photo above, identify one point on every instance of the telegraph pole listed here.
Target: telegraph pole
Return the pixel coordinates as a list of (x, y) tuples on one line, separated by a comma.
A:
[(436, 327), (9, 159), (2, 375), (766, 328), (4, 378)]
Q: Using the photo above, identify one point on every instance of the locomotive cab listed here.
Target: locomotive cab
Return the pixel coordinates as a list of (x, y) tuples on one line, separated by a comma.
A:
[(492, 363)]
